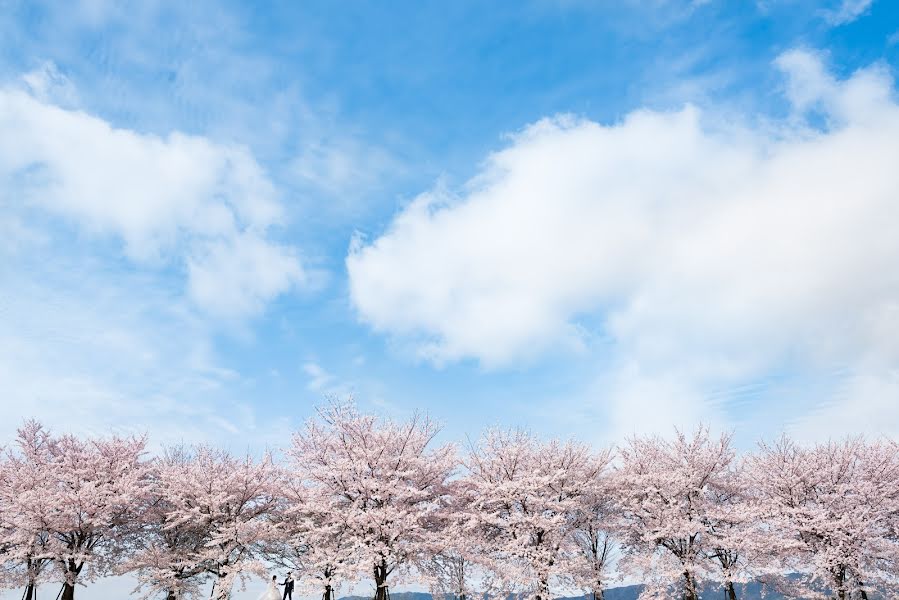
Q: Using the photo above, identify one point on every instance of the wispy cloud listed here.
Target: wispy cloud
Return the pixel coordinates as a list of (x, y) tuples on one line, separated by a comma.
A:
[(847, 11), (345, 169), (89, 353), (179, 198), (325, 383), (709, 251), (319, 379)]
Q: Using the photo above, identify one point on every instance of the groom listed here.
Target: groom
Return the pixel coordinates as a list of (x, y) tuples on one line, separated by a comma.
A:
[(288, 587)]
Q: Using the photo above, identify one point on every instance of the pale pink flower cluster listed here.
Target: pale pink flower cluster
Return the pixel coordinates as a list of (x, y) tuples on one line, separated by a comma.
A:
[(357, 497)]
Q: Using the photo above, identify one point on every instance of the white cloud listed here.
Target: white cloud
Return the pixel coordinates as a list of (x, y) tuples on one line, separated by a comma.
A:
[(324, 383), (344, 167), (866, 403), (709, 251), (48, 84), (238, 275), (88, 353), (834, 12), (653, 402), (177, 198), (319, 379), (848, 11)]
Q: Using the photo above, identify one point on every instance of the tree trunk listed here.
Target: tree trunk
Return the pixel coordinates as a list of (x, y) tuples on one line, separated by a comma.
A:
[(68, 591), (690, 591), (731, 592), (33, 569), (542, 588), (220, 591), (841, 592), (329, 593), (382, 592), (839, 579), (862, 591), (597, 593), (72, 569), (170, 595)]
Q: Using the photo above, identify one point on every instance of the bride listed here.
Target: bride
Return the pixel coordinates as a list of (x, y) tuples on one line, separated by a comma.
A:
[(271, 592)]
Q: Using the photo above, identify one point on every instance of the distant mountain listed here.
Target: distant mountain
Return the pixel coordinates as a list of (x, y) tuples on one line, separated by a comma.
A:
[(626, 592), (395, 596), (752, 591)]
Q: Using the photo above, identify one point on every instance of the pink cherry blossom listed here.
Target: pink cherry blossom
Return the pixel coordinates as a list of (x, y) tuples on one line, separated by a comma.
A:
[(25, 510), (676, 521), (208, 515), (523, 497), (829, 512), (383, 479), (68, 503), (314, 539)]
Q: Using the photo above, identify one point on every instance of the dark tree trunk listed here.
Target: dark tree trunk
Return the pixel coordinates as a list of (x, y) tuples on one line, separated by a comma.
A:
[(222, 592), (329, 593), (72, 570), (33, 569), (382, 592), (170, 595), (542, 589), (597, 594), (68, 591), (863, 593), (731, 591), (690, 591), (839, 579)]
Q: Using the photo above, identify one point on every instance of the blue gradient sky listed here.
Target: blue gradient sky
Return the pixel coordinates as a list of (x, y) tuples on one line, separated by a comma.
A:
[(350, 111)]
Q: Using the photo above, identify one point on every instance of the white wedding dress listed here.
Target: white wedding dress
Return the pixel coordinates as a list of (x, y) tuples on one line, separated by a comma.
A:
[(271, 593)]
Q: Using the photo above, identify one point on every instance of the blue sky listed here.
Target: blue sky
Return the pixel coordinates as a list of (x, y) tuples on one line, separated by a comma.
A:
[(586, 218)]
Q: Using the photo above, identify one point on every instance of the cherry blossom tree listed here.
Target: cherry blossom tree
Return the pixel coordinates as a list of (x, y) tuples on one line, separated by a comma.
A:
[(166, 547), (384, 479), (366, 496), (523, 499), (223, 501), (453, 566), (66, 503), (830, 514), (591, 548), (735, 541), (673, 531), (24, 509), (449, 573), (97, 484), (315, 541)]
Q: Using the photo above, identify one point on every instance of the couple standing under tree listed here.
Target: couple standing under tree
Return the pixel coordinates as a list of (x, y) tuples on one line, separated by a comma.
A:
[(272, 593)]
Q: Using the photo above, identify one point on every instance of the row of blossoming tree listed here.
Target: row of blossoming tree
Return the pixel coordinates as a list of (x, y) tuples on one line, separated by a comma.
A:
[(357, 497)]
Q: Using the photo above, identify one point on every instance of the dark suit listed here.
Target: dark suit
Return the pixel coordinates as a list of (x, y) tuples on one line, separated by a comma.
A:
[(288, 588)]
